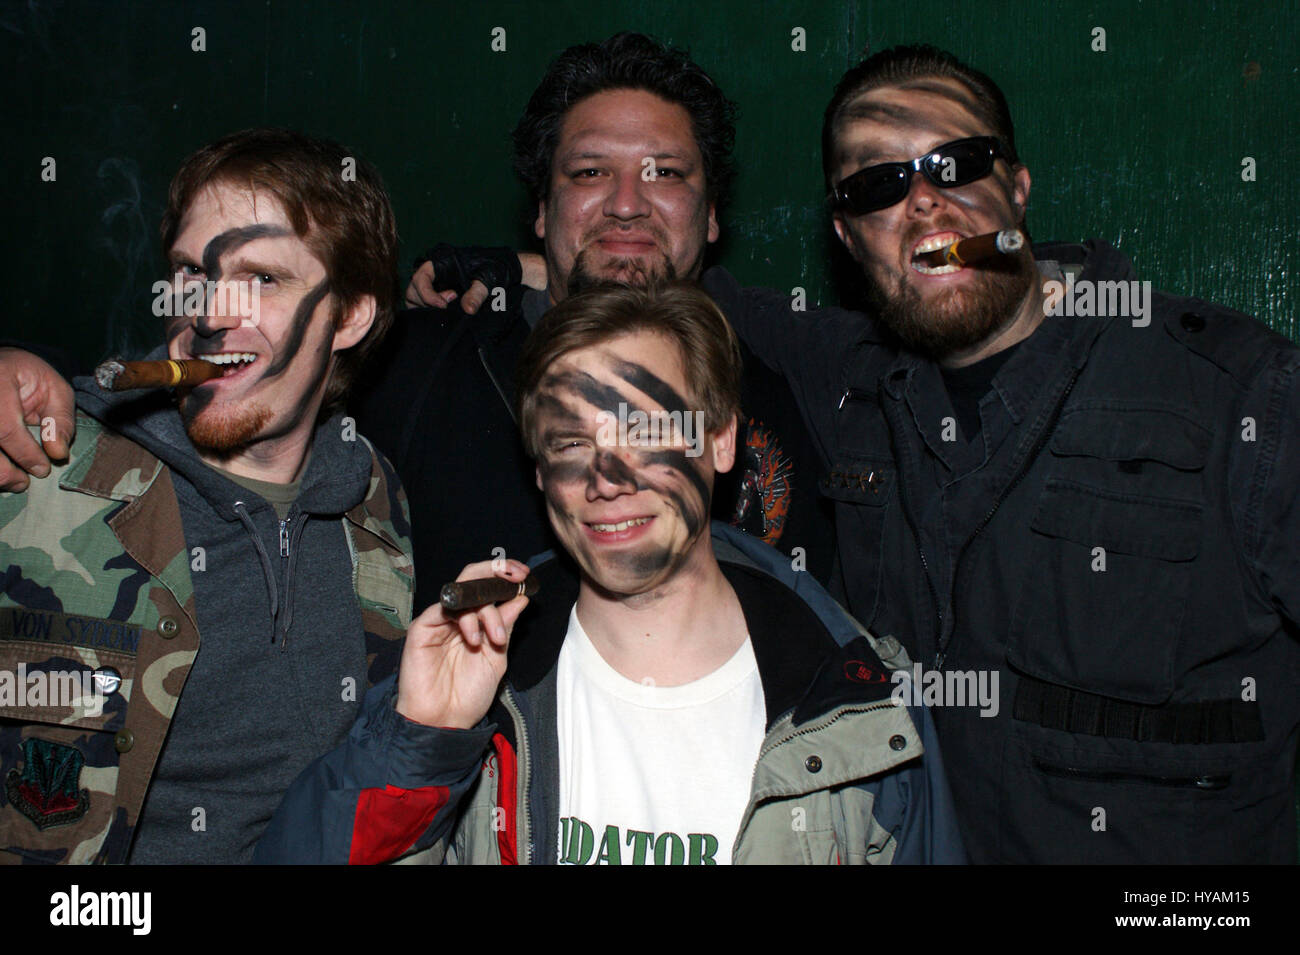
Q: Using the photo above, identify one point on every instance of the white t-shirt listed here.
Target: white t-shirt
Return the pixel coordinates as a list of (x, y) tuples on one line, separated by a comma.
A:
[(654, 775)]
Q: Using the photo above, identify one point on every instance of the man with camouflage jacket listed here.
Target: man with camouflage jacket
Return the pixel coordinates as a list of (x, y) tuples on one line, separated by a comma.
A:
[(241, 509)]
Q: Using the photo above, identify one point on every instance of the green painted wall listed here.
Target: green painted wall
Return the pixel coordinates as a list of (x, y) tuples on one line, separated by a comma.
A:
[(1141, 144)]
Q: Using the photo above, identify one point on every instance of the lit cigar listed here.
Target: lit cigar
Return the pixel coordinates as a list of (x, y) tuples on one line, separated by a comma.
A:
[(468, 594), (117, 375), (966, 251)]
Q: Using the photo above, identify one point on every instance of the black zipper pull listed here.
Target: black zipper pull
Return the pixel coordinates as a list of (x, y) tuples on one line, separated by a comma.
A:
[(284, 537), (855, 393)]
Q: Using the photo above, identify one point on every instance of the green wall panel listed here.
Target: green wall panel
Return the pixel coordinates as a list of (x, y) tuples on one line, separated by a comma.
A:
[(1141, 144)]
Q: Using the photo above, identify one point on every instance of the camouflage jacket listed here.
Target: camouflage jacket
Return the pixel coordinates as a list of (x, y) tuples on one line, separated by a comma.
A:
[(97, 613)]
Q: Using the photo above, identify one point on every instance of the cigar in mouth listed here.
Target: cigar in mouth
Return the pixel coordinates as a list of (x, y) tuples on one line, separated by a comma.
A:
[(118, 375), (468, 594), (977, 247)]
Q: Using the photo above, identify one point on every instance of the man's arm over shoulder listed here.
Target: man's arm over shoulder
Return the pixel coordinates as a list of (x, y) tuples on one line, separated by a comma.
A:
[(808, 347), (393, 787), (469, 273)]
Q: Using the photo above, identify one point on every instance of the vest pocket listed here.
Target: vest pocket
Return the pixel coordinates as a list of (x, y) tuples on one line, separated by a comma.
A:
[(1116, 803), (1101, 606)]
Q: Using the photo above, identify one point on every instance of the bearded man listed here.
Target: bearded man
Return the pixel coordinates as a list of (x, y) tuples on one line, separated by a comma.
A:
[(1046, 473)]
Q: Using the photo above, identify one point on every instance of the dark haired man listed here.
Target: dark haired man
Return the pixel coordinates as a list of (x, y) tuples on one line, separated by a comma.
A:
[(1095, 501), (668, 699), (625, 146), (243, 509)]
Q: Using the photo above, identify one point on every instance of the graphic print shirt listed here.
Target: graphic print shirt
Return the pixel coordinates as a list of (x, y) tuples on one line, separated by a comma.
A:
[(654, 775)]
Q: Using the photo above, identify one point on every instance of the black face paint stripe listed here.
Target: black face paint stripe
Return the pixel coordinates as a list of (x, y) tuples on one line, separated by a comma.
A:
[(317, 375), (175, 326), (550, 404), (297, 329), (564, 472), (677, 461), (940, 88), (596, 393), (192, 404), (644, 564), (692, 518), (614, 469), (233, 239), (648, 383)]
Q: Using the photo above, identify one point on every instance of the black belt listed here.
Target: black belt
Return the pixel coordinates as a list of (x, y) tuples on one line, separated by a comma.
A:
[(1073, 711)]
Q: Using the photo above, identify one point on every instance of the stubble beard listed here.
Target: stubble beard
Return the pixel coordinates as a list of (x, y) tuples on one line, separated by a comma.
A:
[(638, 272), (960, 319), (222, 432)]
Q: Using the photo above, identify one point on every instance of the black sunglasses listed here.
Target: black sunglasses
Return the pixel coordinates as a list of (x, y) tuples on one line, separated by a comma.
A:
[(953, 164)]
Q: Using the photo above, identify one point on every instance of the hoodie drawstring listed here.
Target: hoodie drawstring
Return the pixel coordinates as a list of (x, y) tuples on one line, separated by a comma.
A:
[(272, 590)]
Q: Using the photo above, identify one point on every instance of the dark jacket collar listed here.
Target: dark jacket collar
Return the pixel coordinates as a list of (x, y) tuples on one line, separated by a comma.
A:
[(801, 667)]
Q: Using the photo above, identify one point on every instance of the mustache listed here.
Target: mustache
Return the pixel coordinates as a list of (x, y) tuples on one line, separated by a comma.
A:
[(653, 231), (914, 232)]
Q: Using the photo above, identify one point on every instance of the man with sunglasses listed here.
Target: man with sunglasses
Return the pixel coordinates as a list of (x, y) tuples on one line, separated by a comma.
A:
[(1097, 508)]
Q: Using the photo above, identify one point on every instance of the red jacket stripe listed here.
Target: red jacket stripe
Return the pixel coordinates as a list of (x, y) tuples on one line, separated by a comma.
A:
[(507, 799), (389, 820)]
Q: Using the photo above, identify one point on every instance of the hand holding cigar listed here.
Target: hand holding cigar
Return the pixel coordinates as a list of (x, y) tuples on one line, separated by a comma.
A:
[(453, 659), (118, 375), (965, 251)]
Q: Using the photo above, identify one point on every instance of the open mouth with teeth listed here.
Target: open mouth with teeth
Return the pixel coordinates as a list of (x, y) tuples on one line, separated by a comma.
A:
[(927, 256), (232, 362), (622, 530)]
